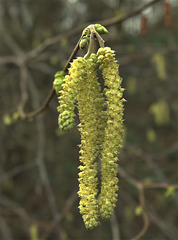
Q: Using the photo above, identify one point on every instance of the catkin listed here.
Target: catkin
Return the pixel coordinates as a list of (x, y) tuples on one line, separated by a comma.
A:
[(113, 132), (68, 94), (101, 128), (90, 105)]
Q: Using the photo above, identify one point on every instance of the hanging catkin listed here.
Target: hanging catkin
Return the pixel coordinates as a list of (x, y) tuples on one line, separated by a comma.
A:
[(101, 125), (113, 131)]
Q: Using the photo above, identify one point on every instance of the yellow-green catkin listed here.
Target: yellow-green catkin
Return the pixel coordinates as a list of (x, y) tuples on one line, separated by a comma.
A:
[(97, 101), (113, 132), (68, 94), (90, 105)]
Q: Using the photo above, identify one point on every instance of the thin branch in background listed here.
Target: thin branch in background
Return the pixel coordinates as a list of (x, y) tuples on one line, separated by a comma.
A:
[(144, 214), (17, 170), (23, 90), (10, 41), (168, 230), (146, 55), (10, 60), (5, 230), (138, 152), (40, 109), (34, 53), (115, 228), (16, 208), (140, 187), (151, 162), (116, 20), (167, 151), (65, 209), (40, 159), (139, 184), (52, 92), (163, 227)]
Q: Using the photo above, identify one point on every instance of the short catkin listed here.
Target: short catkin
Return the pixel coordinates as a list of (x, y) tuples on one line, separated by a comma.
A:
[(68, 94)]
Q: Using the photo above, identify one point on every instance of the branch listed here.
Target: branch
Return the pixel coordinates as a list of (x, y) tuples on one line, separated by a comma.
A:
[(144, 214), (140, 187), (115, 20), (17, 170), (9, 60), (5, 230), (66, 208), (40, 151), (23, 89), (115, 228), (147, 54), (169, 231), (52, 92)]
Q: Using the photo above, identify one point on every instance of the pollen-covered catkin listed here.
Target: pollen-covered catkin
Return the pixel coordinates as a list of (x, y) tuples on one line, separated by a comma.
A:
[(97, 101), (68, 94), (113, 132), (90, 105)]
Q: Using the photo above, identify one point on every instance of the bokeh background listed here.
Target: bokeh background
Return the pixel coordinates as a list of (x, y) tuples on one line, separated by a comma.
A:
[(39, 165)]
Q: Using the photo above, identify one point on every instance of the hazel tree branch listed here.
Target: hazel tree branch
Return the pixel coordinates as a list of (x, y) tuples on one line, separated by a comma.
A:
[(115, 20), (141, 187)]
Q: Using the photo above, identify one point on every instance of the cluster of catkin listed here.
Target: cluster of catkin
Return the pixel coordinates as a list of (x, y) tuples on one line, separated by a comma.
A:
[(101, 128)]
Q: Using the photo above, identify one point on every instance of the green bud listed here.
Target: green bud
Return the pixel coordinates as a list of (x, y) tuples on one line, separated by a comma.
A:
[(86, 32), (58, 81), (83, 43), (100, 29)]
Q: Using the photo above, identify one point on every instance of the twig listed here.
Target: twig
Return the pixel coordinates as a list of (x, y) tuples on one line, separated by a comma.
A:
[(6, 233), (16, 208), (17, 170), (23, 90), (115, 20), (140, 187), (159, 185), (147, 54), (94, 35), (115, 228), (52, 41), (10, 60), (144, 214), (40, 159), (40, 109), (163, 227), (52, 92), (66, 208)]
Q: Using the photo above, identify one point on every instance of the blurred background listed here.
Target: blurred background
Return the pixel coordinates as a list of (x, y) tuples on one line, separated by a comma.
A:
[(39, 165)]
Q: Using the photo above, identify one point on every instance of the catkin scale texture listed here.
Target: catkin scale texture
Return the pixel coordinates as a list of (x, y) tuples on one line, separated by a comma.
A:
[(101, 128), (68, 94), (90, 105), (113, 132)]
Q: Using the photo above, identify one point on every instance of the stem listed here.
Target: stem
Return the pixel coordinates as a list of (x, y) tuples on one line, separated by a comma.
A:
[(94, 35)]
